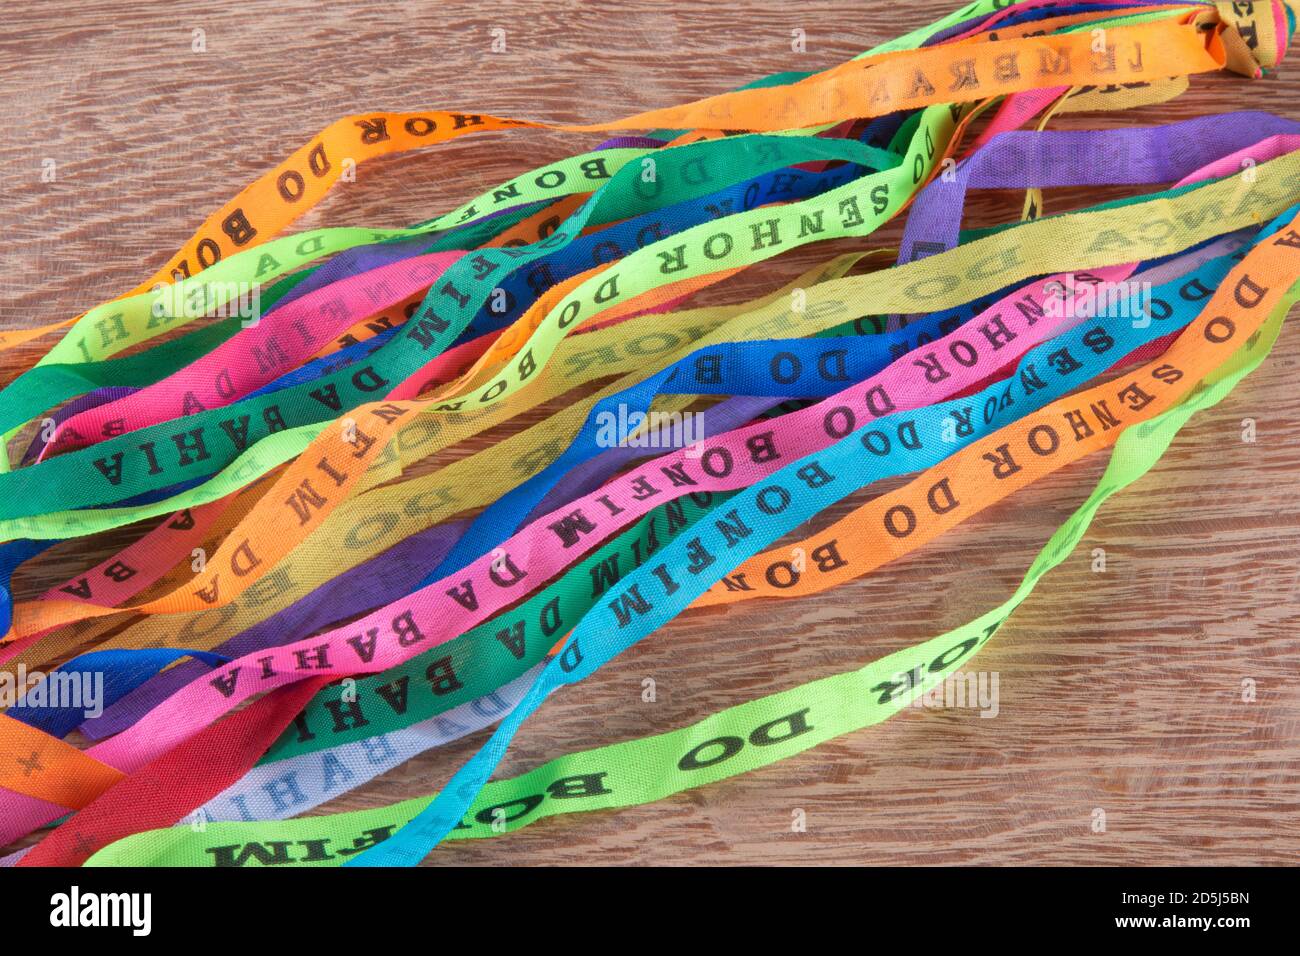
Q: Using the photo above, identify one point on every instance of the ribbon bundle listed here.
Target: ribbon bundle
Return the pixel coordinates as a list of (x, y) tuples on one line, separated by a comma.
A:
[(305, 608)]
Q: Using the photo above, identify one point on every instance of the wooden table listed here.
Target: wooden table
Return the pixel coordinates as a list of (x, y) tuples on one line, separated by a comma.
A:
[(1119, 690)]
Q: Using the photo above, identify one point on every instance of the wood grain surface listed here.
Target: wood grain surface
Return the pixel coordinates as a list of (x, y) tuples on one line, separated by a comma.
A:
[(1119, 690)]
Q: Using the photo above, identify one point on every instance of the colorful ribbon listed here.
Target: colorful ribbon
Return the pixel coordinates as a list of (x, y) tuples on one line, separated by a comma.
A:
[(294, 548)]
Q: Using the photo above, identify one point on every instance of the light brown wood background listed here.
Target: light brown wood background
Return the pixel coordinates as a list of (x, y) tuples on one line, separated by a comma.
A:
[(1119, 691)]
